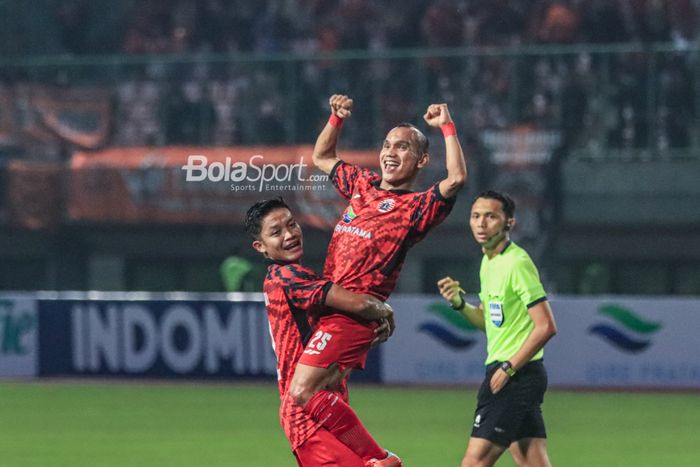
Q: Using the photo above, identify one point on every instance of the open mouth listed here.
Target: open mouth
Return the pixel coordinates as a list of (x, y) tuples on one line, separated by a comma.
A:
[(292, 245), (390, 165)]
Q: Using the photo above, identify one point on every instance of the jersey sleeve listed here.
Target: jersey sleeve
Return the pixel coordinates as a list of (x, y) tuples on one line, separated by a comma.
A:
[(303, 288), (431, 209), (345, 176), (525, 282)]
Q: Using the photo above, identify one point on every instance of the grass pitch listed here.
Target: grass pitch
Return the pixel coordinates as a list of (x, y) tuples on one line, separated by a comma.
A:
[(96, 424)]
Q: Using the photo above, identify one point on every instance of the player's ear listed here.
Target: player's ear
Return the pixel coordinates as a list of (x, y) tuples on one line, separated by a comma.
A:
[(510, 223), (260, 247), (423, 160)]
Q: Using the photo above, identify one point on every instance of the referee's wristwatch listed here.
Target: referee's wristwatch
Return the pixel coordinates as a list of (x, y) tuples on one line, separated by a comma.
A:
[(508, 368)]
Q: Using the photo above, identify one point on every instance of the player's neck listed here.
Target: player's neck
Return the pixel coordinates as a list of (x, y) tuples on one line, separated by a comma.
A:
[(497, 249), (406, 186)]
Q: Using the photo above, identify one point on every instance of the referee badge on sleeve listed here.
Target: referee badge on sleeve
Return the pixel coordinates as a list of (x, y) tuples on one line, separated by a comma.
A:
[(496, 313)]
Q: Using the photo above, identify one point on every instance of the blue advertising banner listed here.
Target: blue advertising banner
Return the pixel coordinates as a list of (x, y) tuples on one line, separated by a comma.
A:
[(155, 338), (613, 342), (212, 339), (18, 337)]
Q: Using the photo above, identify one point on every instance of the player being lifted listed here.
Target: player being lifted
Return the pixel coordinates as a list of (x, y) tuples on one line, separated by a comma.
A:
[(383, 220), (331, 433)]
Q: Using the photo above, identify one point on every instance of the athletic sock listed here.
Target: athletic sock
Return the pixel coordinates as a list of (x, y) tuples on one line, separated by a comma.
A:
[(342, 422)]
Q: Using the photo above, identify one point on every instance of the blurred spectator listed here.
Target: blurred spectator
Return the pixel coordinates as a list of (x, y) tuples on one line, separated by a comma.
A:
[(632, 100), (559, 24)]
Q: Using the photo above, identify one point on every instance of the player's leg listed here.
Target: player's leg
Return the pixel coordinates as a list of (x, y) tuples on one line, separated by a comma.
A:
[(336, 416), (496, 420), (308, 380), (323, 366), (481, 453), (324, 449), (530, 452), (530, 447)]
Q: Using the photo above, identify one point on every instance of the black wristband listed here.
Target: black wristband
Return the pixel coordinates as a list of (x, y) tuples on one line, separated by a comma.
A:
[(508, 368), (461, 304)]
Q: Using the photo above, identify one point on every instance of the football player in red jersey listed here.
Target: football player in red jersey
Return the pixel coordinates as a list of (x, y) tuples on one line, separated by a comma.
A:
[(325, 431), (383, 220)]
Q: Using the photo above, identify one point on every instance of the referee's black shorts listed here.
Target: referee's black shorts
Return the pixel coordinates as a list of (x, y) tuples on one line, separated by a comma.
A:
[(515, 412)]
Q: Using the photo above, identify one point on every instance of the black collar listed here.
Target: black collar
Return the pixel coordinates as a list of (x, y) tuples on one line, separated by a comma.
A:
[(377, 182), (270, 262), (505, 247)]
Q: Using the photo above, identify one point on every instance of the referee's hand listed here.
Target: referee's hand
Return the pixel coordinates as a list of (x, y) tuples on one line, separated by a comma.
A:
[(498, 381), (450, 289)]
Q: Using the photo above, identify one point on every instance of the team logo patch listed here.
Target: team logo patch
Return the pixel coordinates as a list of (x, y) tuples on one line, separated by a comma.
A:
[(386, 205), (496, 313), (348, 215)]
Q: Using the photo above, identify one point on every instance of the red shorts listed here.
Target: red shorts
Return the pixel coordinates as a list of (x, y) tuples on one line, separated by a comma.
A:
[(339, 339), (323, 449)]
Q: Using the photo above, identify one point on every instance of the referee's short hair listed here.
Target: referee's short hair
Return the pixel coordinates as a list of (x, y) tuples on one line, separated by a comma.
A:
[(506, 201), (257, 212)]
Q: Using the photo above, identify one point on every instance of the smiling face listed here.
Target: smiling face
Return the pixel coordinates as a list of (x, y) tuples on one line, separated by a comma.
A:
[(280, 237), (400, 158)]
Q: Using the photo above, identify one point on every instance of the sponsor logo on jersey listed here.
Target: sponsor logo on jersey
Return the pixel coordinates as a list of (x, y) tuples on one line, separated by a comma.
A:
[(353, 231), (386, 205), (348, 215)]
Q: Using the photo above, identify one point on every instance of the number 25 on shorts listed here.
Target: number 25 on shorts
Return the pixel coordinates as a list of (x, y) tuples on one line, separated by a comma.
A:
[(317, 343)]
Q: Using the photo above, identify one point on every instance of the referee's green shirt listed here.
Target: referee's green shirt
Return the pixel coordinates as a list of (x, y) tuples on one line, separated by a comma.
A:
[(510, 284)]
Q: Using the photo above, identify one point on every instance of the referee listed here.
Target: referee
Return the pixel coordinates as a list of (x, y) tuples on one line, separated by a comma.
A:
[(515, 314)]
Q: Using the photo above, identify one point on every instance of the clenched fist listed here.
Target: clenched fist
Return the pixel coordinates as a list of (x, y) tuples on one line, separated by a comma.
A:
[(437, 115), (341, 105)]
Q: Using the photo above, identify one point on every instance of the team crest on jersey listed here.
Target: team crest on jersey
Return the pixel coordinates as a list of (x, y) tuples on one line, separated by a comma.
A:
[(348, 215), (386, 205)]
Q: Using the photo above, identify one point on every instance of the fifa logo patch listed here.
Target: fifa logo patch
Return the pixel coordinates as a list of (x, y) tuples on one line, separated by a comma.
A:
[(386, 205), (348, 215)]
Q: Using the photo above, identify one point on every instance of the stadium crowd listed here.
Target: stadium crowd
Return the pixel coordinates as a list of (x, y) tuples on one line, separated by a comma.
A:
[(624, 100)]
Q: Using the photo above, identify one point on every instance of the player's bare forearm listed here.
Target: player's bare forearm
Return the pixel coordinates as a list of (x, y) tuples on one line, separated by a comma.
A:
[(438, 116), (325, 155), (545, 328), (362, 306), (456, 168)]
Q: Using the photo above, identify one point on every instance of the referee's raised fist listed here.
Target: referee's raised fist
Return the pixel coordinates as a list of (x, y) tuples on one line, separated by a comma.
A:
[(341, 105)]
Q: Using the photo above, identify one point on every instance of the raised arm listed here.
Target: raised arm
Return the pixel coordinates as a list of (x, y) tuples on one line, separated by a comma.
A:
[(325, 156), (438, 116)]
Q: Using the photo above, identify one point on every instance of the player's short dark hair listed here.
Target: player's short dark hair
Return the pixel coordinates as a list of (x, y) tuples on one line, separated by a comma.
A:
[(506, 201), (257, 212), (423, 142)]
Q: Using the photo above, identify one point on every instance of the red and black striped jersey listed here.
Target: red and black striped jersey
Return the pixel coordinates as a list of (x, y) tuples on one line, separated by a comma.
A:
[(375, 232), (294, 294)]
